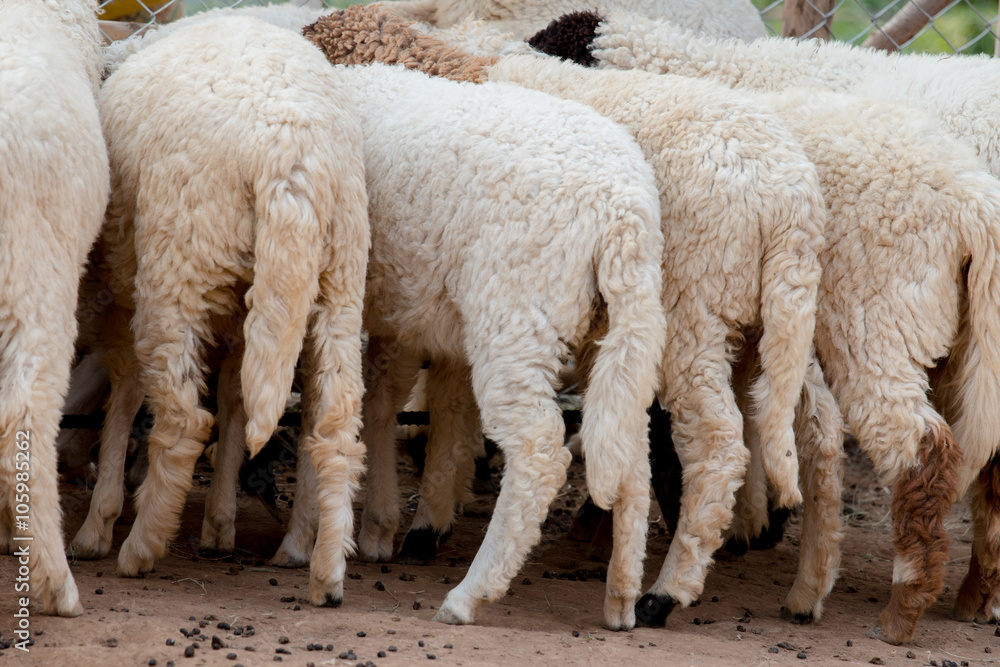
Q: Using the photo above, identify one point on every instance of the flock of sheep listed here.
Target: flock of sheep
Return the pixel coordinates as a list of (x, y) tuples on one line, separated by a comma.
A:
[(770, 236)]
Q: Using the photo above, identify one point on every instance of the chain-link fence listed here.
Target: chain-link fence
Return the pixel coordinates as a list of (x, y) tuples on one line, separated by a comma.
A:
[(939, 26)]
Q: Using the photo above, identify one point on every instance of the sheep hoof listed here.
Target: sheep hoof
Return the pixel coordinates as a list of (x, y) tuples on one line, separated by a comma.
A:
[(328, 600), (775, 531), (961, 616), (736, 546), (288, 560), (802, 618), (879, 633), (619, 612), (420, 546), (83, 550), (65, 601), (291, 554), (445, 615), (375, 542), (131, 563), (652, 610)]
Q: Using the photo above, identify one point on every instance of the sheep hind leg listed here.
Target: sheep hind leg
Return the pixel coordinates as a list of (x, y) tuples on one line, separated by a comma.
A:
[(218, 529), (297, 545), (40, 537), (630, 516), (169, 335), (36, 369), (333, 360), (921, 499), (530, 432), (820, 437), (50, 572), (454, 425), (391, 373), (93, 540), (707, 431), (982, 582)]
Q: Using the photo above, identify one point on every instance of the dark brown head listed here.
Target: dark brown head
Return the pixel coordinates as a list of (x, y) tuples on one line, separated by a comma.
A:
[(353, 36), (570, 37)]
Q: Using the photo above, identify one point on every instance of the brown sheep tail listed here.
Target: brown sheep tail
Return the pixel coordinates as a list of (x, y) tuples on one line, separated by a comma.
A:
[(570, 37), (362, 35)]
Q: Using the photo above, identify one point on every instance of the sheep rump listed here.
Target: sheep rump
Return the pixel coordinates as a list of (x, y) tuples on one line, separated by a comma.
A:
[(251, 188), (52, 198)]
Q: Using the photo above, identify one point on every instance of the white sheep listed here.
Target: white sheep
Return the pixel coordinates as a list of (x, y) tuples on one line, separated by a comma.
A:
[(722, 18), (52, 200), (500, 217), (285, 16), (960, 90), (238, 175), (963, 106), (750, 217)]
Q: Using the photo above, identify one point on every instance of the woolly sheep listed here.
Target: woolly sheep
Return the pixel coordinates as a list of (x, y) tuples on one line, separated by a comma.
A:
[(762, 249), (287, 16), (879, 374), (218, 531), (52, 199), (967, 385), (499, 217), (242, 172), (722, 18), (959, 90)]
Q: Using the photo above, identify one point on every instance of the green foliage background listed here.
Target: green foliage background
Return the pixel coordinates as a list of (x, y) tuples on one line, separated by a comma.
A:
[(960, 25)]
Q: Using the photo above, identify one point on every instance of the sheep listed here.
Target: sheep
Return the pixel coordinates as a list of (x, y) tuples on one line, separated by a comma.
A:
[(93, 540), (52, 199), (762, 249), (723, 18), (948, 208), (285, 16), (240, 178), (533, 209), (959, 90)]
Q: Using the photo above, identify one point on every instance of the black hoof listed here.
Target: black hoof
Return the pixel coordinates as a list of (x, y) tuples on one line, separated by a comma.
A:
[(651, 611), (482, 484), (330, 601), (800, 619), (419, 546), (775, 532), (735, 546)]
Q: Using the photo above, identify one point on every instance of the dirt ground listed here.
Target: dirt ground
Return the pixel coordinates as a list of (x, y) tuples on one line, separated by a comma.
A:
[(552, 611)]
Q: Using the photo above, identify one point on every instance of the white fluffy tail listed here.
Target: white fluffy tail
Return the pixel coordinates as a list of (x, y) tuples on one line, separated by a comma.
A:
[(287, 252), (789, 279), (975, 386), (624, 376)]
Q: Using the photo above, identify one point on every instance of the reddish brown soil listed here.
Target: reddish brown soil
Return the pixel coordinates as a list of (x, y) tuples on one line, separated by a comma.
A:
[(535, 624)]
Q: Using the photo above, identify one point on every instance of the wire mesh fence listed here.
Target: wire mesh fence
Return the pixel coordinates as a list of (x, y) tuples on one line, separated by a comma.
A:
[(937, 26)]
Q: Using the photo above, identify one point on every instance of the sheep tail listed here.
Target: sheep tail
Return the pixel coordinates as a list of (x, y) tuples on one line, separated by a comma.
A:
[(624, 376), (790, 275), (974, 389), (287, 251)]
